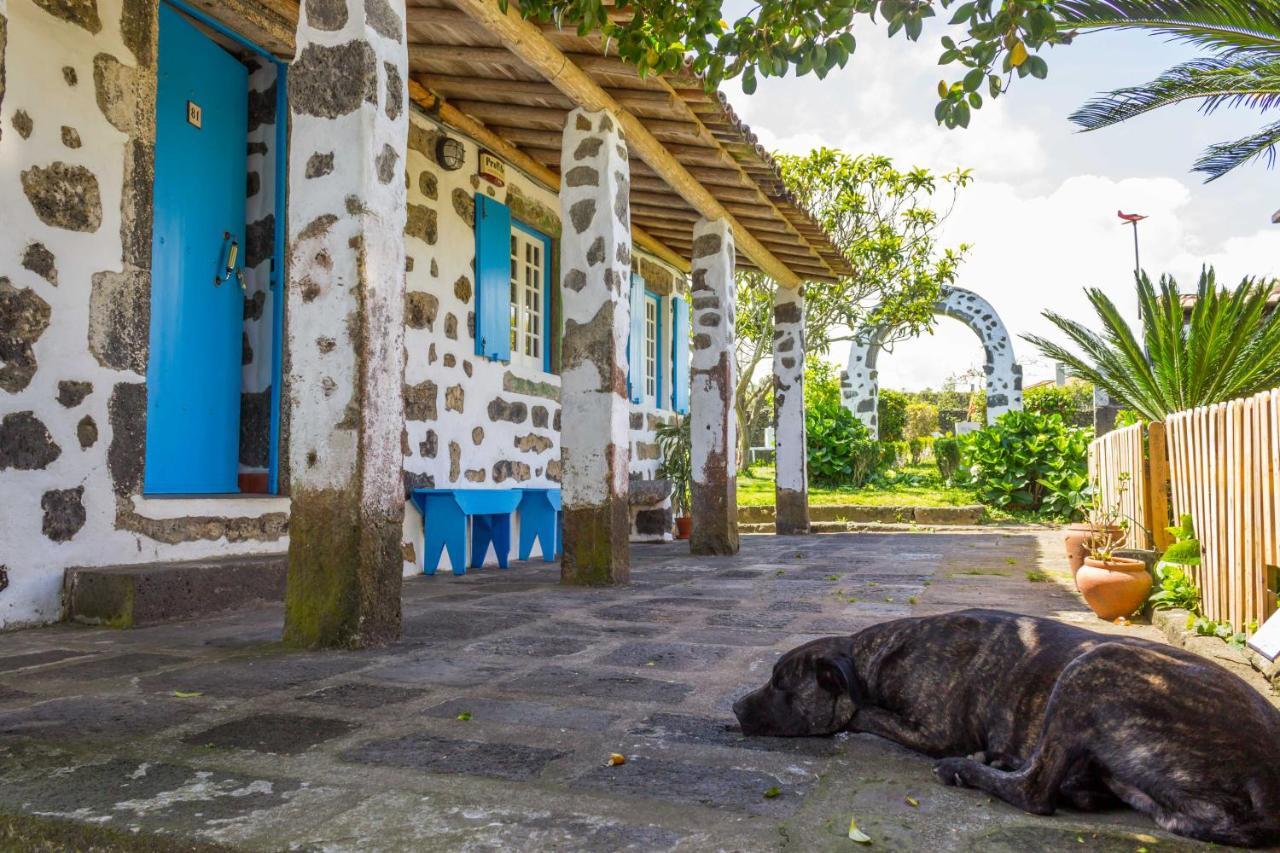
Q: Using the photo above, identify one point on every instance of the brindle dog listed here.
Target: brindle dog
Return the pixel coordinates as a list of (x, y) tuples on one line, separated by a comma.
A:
[(1048, 714)]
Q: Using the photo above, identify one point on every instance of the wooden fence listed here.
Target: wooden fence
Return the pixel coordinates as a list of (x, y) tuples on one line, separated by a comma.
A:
[(1118, 469), (1224, 471)]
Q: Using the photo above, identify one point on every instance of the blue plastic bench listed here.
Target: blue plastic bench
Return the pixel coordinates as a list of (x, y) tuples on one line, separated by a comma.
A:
[(540, 520), (445, 517)]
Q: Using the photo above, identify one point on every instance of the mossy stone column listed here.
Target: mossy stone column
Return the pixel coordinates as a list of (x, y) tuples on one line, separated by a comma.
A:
[(345, 324), (714, 428), (791, 452), (595, 262)]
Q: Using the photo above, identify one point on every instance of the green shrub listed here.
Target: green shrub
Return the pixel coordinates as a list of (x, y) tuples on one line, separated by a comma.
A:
[(1069, 401), (1030, 462), (946, 453), (841, 449), (891, 415), (922, 421)]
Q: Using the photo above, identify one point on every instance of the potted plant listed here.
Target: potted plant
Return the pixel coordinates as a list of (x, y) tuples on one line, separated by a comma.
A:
[(675, 442), (1112, 586), (1076, 537)]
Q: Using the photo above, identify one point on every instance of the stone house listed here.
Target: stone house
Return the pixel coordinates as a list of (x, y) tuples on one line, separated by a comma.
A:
[(264, 269)]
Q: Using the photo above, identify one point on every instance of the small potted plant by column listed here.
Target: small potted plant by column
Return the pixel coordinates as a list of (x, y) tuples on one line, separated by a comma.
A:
[(675, 443), (1112, 586), (1076, 537)]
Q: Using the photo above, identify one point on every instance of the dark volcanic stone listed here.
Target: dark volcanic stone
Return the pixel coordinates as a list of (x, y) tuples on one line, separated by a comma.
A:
[(176, 798), (682, 728), (637, 613), (95, 718), (132, 663), (14, 662), (252, 677), (559, 681), (358, 695), (672, 656), (531, 645), (82, 13), (72, 393), (64, 196), (25, 443), (451, 624), (730, 637), (24, 317), (444, 671), (534, 714), (280, 734), (512, 761), (718, 787), (751, 620), (333, 81), (63, 513)]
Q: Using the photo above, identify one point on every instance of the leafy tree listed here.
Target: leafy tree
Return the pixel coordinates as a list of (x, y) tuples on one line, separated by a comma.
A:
[(886, 222), (1229, 347), (1240, 70), (1070, 401), (1030, 463), (993, 41)]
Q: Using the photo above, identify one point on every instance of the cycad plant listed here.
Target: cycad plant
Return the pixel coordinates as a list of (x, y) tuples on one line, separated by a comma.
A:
[(1241, 70), (1229, 347)]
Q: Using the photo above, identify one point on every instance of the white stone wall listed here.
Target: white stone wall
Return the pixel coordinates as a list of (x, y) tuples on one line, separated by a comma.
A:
[(472, 422), (74, 299), (74, 323)]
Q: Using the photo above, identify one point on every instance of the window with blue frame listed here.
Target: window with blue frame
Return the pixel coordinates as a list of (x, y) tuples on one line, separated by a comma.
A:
[(652, 354), (513, 288), (530, 297)]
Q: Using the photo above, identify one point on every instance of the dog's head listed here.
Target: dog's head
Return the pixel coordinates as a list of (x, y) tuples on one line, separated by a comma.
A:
[(809, 693)]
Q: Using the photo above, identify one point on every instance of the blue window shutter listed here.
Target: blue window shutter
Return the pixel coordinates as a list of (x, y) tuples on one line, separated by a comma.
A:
[(635, 355), (680, 354), (493, 279)]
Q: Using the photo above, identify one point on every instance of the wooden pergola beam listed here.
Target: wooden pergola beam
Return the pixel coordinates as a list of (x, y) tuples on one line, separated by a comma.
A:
[(526, 40), (450, 115)]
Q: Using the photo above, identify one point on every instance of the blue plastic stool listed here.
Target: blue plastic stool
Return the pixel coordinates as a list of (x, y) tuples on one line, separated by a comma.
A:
[(445, 513), (540, 520)]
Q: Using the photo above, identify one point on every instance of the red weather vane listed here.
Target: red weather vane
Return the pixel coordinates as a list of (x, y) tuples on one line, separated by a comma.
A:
[(1132, 218)]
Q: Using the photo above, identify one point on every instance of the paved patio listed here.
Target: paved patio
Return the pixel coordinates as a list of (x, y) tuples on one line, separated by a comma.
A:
[(490, 724)]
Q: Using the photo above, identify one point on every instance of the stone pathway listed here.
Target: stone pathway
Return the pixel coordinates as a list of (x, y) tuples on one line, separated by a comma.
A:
[(490, 724)]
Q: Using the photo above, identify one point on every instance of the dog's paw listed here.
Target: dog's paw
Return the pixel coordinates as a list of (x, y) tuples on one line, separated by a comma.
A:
[(950, 771)]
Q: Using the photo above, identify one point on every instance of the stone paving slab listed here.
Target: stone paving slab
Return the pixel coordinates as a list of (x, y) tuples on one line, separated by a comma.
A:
[(488, 726)]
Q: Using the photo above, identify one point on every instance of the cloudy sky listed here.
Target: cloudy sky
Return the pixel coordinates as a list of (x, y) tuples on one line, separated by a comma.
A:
[(1041, 211)]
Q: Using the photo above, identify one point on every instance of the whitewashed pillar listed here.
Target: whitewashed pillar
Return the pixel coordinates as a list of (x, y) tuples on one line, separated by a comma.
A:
[(711, 392), (791, 452), (595, 265), (345, 318)]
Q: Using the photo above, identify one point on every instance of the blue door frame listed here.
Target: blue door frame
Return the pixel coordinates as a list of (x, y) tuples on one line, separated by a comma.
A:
[(277, 283)]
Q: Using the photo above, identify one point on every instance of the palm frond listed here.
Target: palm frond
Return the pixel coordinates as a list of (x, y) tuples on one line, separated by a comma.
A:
[(1229, 346), (1215, 81), (1221, 158), (1230, 27)]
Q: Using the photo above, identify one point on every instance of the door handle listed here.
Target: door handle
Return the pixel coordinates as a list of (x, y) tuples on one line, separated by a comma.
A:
[(233, 252)]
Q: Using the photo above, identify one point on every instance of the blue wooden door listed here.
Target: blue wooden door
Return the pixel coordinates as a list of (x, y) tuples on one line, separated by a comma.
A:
[(193, 374)]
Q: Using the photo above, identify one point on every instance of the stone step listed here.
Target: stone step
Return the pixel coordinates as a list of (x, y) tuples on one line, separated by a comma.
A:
[(151, 593), (931, 515)]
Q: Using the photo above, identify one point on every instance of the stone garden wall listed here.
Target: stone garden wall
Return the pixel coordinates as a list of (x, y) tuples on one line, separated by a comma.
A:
[(77, 133), (471, 421)]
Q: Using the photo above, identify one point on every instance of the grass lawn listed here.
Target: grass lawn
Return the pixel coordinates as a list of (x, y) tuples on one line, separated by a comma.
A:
[(755, 488)]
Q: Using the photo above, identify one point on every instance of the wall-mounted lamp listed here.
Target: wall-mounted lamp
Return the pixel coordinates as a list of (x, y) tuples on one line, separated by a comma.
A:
[(450, 154)]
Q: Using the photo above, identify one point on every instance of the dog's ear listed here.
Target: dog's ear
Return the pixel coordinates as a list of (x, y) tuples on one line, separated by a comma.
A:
[(835, 674)]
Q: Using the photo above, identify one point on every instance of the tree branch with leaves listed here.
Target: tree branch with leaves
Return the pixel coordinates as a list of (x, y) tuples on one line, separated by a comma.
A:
[(886, 221)]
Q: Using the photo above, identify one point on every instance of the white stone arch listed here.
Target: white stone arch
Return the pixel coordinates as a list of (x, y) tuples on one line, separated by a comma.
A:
[(860, 386)]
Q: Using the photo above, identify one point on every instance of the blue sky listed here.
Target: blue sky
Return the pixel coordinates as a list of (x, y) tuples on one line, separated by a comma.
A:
[(1041, 213)]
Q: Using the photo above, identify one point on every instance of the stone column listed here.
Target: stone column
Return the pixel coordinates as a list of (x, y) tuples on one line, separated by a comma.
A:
[(345, 323), (714, 427), (595, 264), (791, 454)]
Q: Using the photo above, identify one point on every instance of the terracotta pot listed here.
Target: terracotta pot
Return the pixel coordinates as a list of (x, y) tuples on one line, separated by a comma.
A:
[(684, 526), (1113, 588), (1076, 538)]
